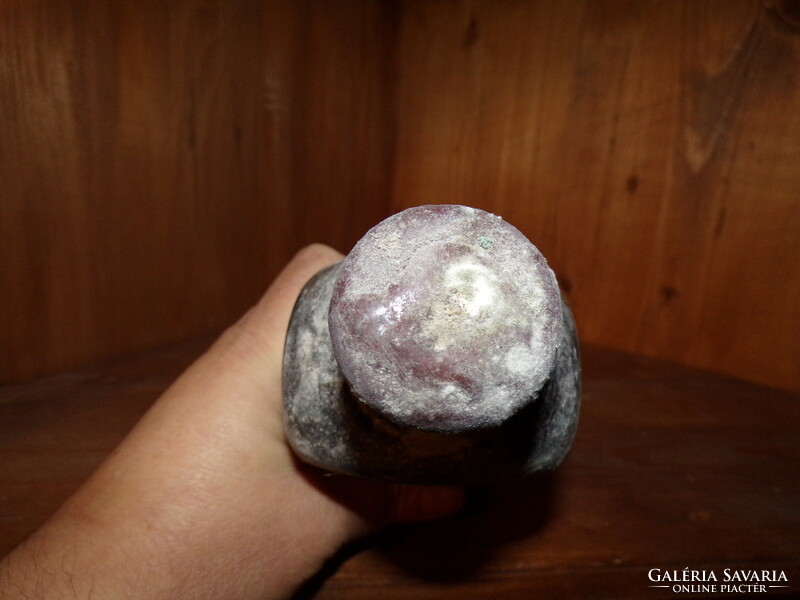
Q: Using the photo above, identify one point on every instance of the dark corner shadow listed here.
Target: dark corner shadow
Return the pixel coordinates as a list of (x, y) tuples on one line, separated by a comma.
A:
[(309, 589), (447, 550), (453, 549)]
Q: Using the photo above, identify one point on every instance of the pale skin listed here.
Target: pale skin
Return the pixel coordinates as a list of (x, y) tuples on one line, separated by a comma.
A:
[(204, 499)]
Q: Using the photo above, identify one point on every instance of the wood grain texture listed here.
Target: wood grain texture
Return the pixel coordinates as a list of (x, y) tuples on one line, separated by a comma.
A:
[(651, 150), (161, 161), (671, 468)]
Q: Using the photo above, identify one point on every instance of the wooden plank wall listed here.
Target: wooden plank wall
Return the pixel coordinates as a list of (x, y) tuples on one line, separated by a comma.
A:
[(650, 149), (160, 161)]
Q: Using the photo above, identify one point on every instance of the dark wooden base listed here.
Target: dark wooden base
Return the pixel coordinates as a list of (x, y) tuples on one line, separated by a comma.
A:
[(671, 468)]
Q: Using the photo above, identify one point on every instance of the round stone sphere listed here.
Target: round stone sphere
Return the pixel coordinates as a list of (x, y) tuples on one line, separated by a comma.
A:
[(445, 318)]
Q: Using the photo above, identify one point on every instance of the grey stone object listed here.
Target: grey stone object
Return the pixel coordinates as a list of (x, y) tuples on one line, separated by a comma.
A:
[(440, 351)]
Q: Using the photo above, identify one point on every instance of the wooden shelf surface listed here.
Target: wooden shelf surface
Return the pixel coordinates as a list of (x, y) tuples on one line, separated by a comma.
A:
[(671, 468)]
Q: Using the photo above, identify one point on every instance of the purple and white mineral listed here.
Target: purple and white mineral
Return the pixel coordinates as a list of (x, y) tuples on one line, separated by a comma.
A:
[(439, 351)]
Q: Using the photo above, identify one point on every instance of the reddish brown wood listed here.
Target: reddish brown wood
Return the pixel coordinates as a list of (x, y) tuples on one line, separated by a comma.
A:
[(672, 467), (649, 149), (161, 161)]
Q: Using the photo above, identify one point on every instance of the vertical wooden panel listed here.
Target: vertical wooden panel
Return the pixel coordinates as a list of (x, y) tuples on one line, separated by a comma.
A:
[(650, 149), (160, 161)]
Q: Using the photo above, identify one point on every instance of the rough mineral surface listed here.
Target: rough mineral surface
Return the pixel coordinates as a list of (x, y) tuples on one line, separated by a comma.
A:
[(445, 318), (439, 350)]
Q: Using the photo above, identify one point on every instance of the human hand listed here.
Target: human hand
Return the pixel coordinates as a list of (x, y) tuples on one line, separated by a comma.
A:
[(204, 499)]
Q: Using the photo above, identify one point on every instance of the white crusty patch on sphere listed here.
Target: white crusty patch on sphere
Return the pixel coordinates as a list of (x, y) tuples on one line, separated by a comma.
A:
[(445, 318)]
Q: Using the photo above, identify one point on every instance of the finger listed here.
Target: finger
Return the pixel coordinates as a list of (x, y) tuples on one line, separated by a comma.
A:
[(239, 377), (249, 353), (262, 330)]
